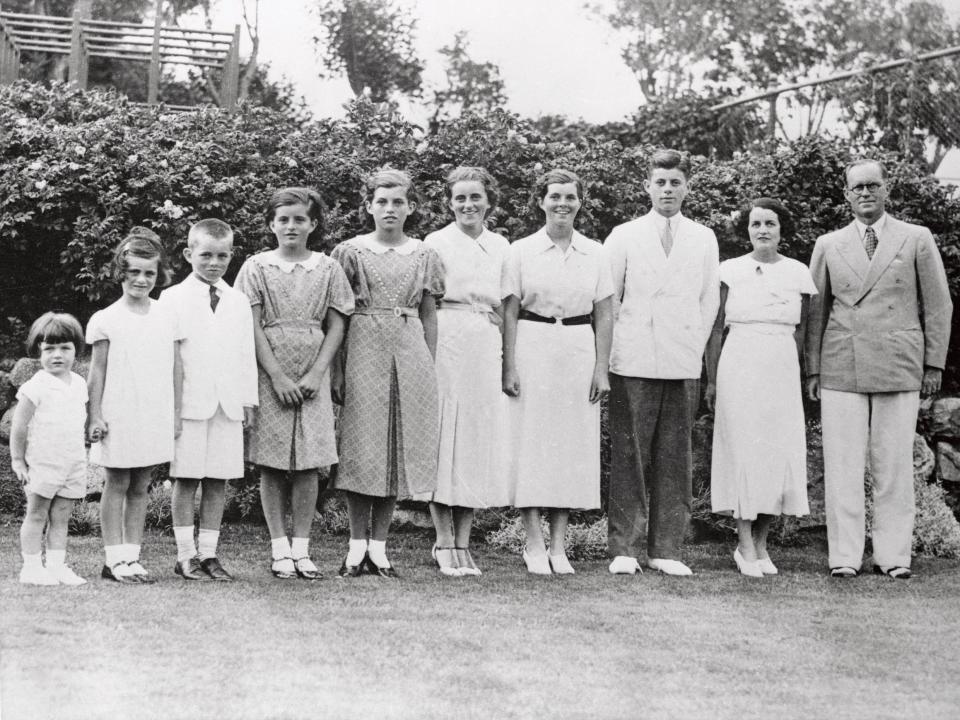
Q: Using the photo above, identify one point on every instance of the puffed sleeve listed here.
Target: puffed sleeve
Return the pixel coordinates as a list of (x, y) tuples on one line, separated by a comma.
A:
[(510, 278), (346, 255), (249, 281), (31, 390), (805, 280), (339, 293), (433, 273), (604, 277), (97, 328)]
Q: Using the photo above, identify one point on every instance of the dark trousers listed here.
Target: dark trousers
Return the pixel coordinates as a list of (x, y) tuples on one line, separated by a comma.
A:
[(650, 424)]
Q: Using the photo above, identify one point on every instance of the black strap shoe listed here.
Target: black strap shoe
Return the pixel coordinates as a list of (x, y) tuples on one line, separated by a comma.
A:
[(212, 567), (108, 573), (374, 569), (190, 570)]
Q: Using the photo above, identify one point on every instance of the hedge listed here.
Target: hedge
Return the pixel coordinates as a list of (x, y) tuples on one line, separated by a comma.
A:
[(78, 169)]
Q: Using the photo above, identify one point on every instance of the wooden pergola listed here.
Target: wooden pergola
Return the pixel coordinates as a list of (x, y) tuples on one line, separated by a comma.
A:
[(81, 39)]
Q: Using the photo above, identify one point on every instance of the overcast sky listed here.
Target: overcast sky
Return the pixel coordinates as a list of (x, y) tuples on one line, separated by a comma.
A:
[(555, 56)]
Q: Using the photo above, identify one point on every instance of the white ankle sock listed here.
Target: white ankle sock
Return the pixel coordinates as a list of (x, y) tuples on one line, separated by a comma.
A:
[(280, 547), (114, 554), (131, 552), (185, 546), (300, 547), (378, 553), (356, 551), (32, 560), (207, 543), (56, 558)]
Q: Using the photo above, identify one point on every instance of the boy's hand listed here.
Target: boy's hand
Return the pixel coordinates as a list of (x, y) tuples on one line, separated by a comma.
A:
[(249, 418), (20, 469), (97, 430)]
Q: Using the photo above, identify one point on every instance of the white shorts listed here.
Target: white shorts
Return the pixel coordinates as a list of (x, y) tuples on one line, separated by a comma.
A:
[(210, 448), (67, 480)]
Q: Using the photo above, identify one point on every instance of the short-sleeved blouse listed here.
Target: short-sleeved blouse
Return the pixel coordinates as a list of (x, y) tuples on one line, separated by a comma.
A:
[(473, 266), (554, 283), (765, 292), (55, 434)]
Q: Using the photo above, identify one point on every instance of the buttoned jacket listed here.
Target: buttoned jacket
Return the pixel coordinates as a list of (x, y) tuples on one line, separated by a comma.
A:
[(877, 323), (217, 352), (664, 306)]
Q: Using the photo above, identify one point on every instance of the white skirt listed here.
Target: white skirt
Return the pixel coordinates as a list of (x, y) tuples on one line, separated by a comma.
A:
[(759, 439), (472, 466), (555, 429)]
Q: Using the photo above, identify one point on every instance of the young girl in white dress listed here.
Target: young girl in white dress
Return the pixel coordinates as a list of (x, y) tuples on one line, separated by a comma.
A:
[(47, 453), (132, 419)]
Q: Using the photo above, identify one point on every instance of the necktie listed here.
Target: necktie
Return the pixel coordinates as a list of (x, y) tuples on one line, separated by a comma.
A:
[(870, 242), (214, 298), (667, 240)]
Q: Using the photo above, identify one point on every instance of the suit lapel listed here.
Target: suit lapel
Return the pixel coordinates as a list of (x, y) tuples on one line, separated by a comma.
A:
[(894, 235), (850, 248)]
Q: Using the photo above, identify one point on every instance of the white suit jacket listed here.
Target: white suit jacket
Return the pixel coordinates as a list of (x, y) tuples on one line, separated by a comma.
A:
[(664, 307), (219, 359)]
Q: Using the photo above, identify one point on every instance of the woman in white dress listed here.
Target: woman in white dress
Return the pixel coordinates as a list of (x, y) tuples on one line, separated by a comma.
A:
[(471, 470), (759, 444), (558, 325)]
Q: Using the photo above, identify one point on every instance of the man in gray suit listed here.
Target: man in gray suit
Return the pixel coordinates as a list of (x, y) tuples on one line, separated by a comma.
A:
[(877, 338)]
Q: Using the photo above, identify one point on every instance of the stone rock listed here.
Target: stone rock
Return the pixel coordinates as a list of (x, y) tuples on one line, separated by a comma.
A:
[(25, 369), (944, 418), (924, 461), (5, 421), (948, 462)]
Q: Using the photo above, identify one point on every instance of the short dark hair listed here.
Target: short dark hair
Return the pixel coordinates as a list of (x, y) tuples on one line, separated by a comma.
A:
[(299, 196), (787, 226), (466, 173), (211, 227), (52, 327), (669, 159), (861, 162), (143, 243), (556, 176)]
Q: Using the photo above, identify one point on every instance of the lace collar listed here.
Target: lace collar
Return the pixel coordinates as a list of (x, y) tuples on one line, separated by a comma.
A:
[(272, 257)]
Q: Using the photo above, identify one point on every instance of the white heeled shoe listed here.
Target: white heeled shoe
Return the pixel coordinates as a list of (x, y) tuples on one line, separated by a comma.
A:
[(750, 568)]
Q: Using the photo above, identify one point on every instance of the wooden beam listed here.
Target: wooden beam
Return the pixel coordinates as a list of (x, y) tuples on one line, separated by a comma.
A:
[(230, 85), (76, 53), (153, 80)]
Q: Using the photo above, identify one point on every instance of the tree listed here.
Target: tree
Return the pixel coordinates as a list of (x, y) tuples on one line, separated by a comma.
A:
[(371, 41), (472, 86)]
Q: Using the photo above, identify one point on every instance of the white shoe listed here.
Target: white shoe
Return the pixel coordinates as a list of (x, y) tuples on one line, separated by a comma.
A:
[(560, 565), (766, 566), (750, 568), (669, 567), (37, 575), (537, 564), (65, 576), (625, 565)]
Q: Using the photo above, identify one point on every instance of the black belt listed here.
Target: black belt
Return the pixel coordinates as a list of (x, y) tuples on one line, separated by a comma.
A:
[(577, 320)]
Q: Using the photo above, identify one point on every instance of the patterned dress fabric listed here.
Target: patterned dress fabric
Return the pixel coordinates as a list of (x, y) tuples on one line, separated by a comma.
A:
[(137, 400), (759, 441), (389, 423), (294, 299), (471, 470)]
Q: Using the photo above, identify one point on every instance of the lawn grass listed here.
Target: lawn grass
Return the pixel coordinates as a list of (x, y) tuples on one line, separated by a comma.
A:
[(505, 645)]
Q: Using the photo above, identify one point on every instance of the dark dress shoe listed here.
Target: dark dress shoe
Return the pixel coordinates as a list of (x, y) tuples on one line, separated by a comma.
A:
[(190, 570), (351, 570), (107, 573), (374, 569), (212, 567)]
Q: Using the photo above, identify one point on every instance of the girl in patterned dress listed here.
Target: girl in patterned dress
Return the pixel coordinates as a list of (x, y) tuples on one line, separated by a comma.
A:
[(300, 300), (389, 424)]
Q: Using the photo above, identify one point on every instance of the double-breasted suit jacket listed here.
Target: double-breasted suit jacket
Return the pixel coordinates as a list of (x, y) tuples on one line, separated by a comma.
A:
[(876, 324)]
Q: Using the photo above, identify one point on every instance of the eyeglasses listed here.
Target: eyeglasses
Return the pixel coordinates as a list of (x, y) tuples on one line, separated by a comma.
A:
[(865, 187)]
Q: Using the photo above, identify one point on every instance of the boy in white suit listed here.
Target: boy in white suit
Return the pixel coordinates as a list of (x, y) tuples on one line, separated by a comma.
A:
[(666, 276), (216, 377)]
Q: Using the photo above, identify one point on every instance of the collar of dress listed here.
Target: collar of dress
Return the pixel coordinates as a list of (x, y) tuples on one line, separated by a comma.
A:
[(271, 257), (543, 243), (407, 247)]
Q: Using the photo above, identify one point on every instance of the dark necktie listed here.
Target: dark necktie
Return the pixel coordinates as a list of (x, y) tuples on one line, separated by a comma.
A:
[(214, 298), (870, 242)]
